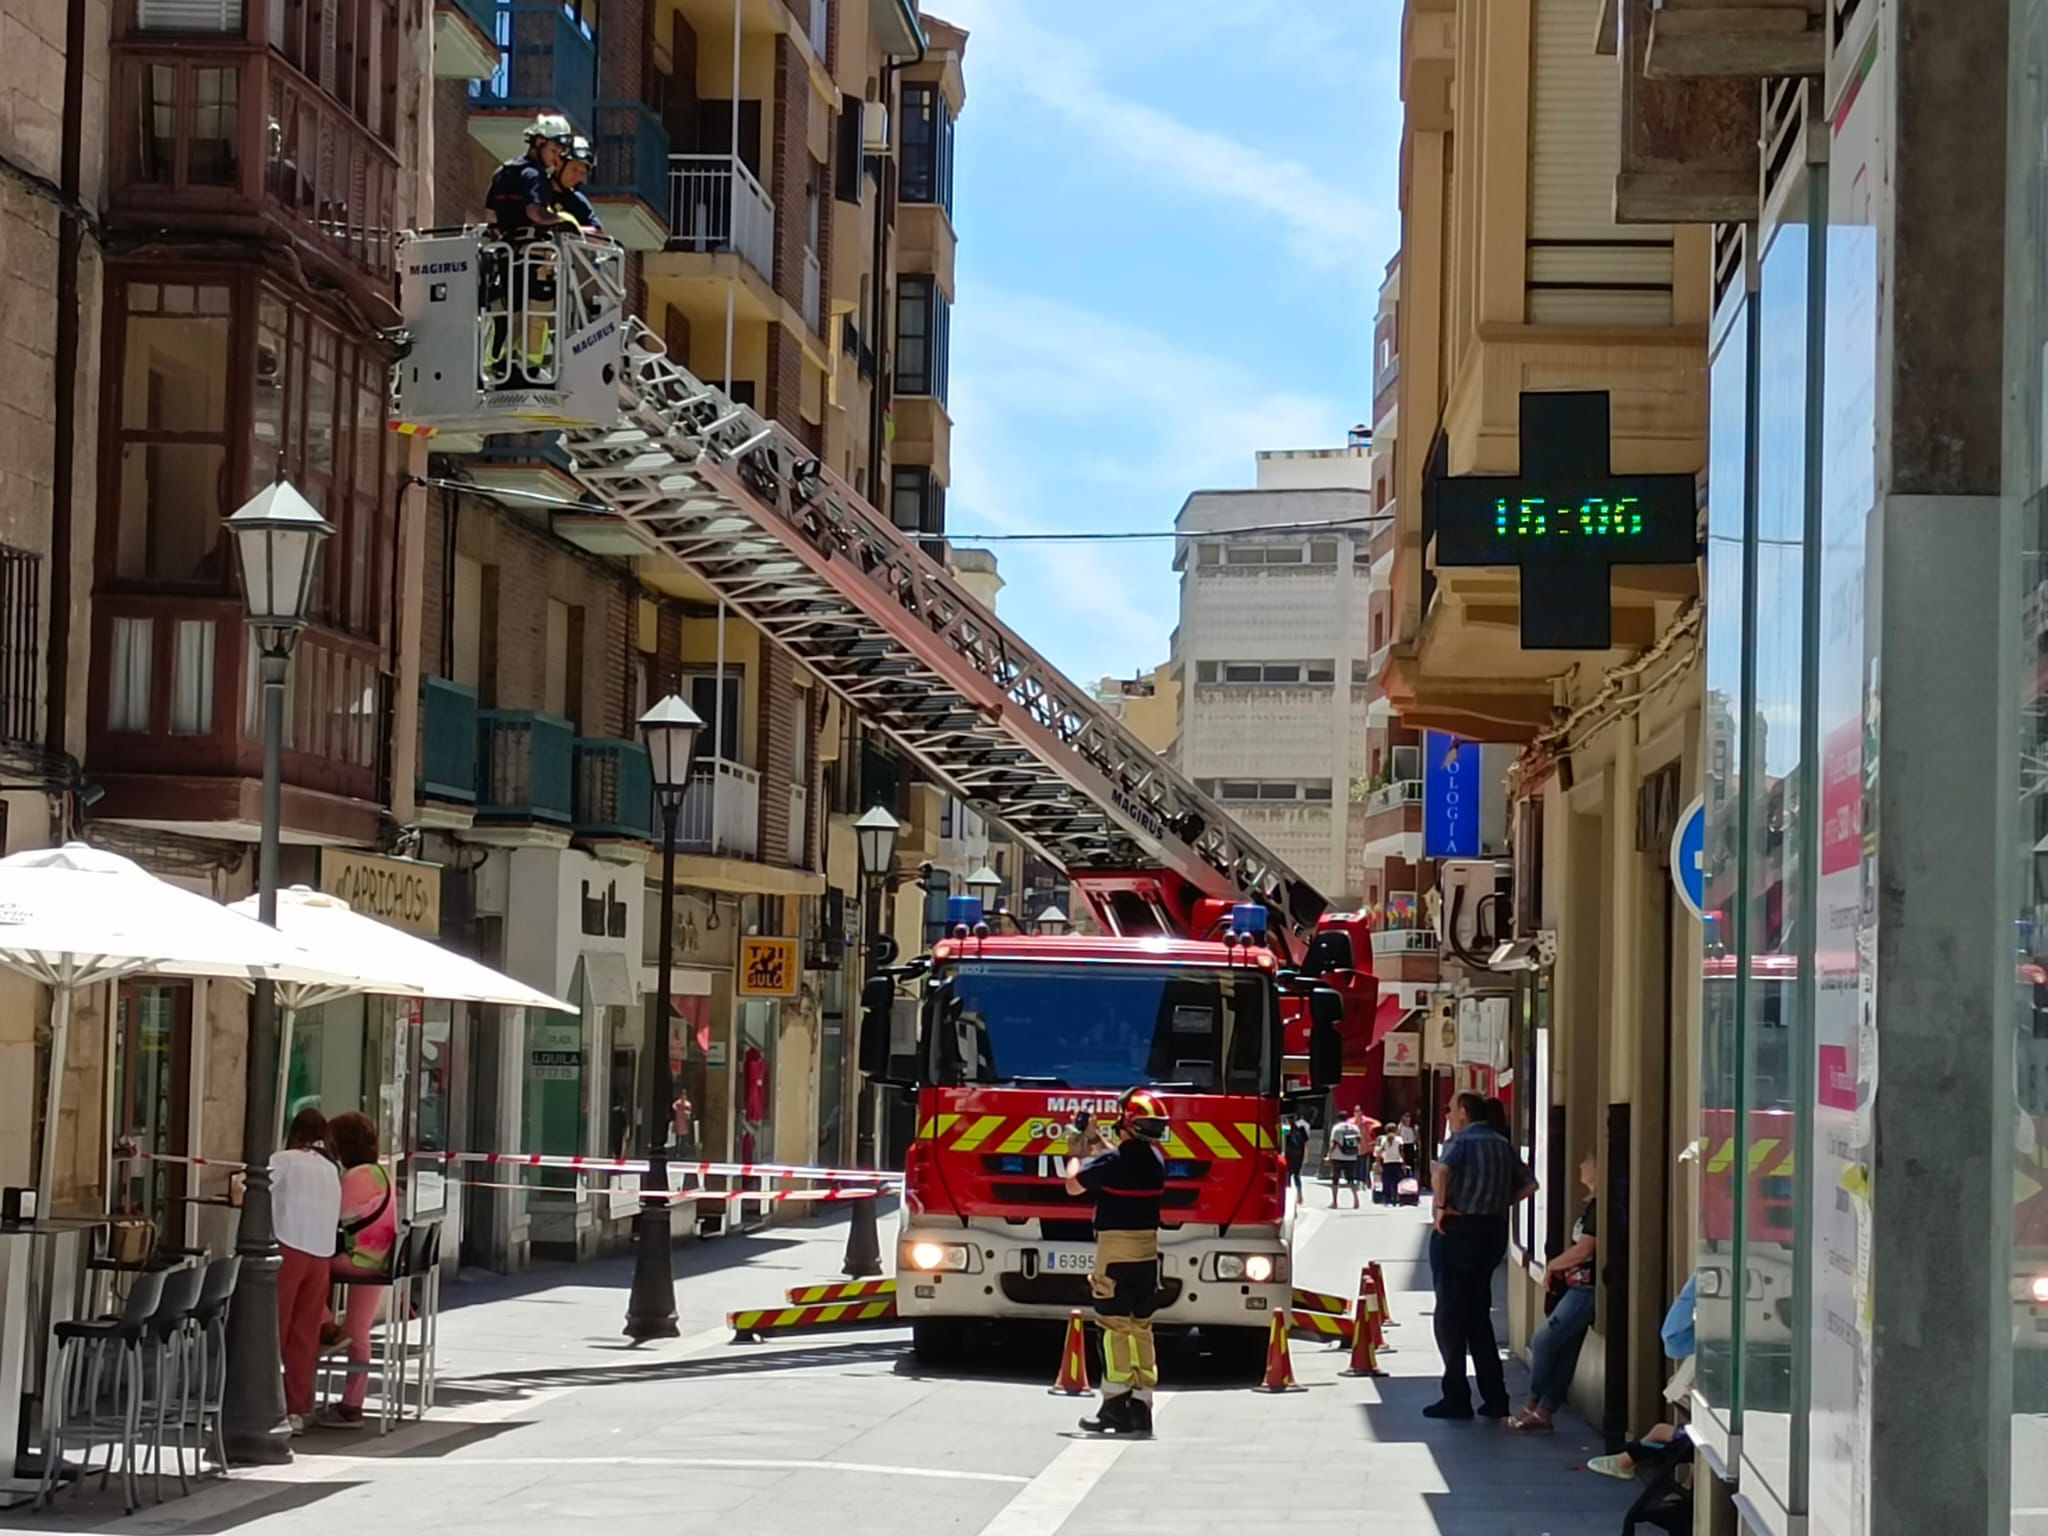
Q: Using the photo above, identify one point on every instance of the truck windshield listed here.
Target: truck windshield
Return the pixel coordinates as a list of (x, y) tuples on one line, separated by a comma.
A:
[(1109, 1026)]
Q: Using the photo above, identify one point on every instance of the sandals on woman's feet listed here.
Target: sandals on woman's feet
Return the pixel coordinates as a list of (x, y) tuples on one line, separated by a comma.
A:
[(1530, 1424)]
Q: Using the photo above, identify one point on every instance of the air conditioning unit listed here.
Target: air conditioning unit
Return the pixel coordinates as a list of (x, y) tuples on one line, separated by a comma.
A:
[(1468, 917), (874, 127)]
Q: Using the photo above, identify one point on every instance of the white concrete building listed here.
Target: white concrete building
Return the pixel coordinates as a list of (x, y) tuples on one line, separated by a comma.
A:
[(1272, 655)]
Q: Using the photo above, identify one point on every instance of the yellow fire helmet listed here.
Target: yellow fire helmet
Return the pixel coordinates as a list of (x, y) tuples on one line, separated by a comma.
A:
[(1143, 1113)]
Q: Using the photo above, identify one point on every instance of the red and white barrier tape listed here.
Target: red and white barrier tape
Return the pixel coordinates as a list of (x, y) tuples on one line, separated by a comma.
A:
[(766, 1196), (701, 1170), (592, 1165)]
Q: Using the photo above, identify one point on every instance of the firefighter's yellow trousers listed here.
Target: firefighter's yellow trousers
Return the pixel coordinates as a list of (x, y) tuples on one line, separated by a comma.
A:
[(1125, 1286), (1129, 1361)]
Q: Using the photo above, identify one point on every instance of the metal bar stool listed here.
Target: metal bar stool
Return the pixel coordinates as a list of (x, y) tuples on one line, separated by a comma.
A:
[(386, 1355), (210, 1344), (76, 1417), (171, 1340)]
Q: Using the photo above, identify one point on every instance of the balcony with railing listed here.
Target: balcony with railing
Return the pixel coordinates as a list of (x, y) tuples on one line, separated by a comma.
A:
[(716, 205), (525, 768), (614, 791), (465, 39), (219, 127), (175, 725), (1392, 825), (547, 63), (1404, 941), (448, 742), (629, 183), (721, 812), (1395, 795), (525, 466)]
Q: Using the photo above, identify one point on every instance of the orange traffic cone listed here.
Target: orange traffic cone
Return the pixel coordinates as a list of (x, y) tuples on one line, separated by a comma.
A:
[(1379, 1280), (1373, 1289), (1072, 1380), (1365, 1333), (1279, 1367)]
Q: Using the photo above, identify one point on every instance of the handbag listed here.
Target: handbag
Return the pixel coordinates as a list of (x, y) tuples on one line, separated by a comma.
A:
[(131, 1240)]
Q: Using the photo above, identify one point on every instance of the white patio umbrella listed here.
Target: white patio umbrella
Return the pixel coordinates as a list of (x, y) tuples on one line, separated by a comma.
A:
[(383, 959), (75, 916)]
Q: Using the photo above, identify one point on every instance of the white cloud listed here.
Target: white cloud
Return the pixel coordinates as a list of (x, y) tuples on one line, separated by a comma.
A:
[(1328, 225)]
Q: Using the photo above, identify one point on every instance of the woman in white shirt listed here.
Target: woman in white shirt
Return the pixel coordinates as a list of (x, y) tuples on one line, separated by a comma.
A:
[(305, 1209)]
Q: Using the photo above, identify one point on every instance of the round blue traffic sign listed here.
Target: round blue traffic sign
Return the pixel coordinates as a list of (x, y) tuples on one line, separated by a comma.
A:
[(1689, 857)]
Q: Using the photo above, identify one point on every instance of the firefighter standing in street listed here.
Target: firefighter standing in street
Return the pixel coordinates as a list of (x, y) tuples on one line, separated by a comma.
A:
[(1128, 1180)]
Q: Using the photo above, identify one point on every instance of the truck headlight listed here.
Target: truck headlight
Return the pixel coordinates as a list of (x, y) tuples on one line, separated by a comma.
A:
[(935, 1256), (2039, 1289), (1257, 1268)]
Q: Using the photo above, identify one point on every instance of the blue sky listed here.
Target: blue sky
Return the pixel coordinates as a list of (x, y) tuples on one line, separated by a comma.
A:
[(1173, 218)]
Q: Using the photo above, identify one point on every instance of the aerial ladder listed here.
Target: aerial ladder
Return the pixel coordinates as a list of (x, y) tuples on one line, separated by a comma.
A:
[(790, 547)]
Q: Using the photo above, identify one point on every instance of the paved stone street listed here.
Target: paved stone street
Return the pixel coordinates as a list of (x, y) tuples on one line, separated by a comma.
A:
[(549, 1422)]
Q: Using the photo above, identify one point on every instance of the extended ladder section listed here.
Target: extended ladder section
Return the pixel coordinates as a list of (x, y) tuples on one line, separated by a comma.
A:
[(793, 549)]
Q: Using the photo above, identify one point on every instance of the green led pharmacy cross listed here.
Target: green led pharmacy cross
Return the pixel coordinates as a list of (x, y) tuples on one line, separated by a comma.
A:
[(1565, 522)]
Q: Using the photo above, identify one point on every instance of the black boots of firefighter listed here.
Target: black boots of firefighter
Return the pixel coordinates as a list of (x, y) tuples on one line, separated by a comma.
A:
[(1125, 1414)]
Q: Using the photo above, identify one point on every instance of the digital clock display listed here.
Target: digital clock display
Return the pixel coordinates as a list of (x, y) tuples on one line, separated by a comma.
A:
[(1538, 517), (1565, 521)]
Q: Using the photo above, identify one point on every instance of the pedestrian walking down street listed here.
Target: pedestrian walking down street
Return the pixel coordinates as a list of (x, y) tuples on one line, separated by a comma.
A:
[(1568, 1283), (1128, 1180), (1478, 1177), (1297, 1151), (1393, 1166), (1411, 1144), (1345, 1149)]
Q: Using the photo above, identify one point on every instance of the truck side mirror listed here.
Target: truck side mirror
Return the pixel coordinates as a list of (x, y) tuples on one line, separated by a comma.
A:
[(1325, 1038), (877, 1005)]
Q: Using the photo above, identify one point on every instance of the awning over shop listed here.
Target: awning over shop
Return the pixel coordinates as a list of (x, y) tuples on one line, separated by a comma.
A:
[(75, 916), (388, 960)]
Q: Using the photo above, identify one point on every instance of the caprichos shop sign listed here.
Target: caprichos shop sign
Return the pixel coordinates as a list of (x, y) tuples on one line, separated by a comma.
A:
[(402, 892)]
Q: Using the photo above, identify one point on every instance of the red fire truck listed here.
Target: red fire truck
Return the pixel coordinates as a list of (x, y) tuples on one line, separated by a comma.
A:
[(1020, 1038)]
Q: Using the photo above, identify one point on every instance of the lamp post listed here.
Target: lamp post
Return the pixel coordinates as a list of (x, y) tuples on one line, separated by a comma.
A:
[(1051, 921), (983, 885), (278, 535), (875, 836), (670, 730)]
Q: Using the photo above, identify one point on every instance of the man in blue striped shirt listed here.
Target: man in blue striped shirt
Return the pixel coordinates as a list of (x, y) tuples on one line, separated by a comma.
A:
[(1478, 1177)]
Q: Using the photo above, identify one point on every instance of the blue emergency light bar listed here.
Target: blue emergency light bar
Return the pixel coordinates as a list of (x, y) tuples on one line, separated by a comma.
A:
[(963, 911), (1248, 920)]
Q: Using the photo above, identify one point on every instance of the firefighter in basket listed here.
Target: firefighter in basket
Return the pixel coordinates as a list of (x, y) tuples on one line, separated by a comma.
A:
[(1127, 1177), (523, 204), (570, 197)]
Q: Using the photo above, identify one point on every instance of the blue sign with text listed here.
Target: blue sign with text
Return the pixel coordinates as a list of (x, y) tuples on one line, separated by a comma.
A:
[(1450, 796)]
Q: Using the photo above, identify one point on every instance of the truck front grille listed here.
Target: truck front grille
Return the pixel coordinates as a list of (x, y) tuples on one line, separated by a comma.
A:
[(1066, 1291)]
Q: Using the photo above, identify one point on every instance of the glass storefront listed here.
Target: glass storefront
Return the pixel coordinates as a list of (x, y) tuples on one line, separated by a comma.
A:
[(1788, 944), (1777, 783), (1729, 698), (2026, 486)]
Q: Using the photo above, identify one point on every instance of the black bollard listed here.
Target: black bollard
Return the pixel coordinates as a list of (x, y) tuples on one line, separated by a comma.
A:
[(863, 1242)]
